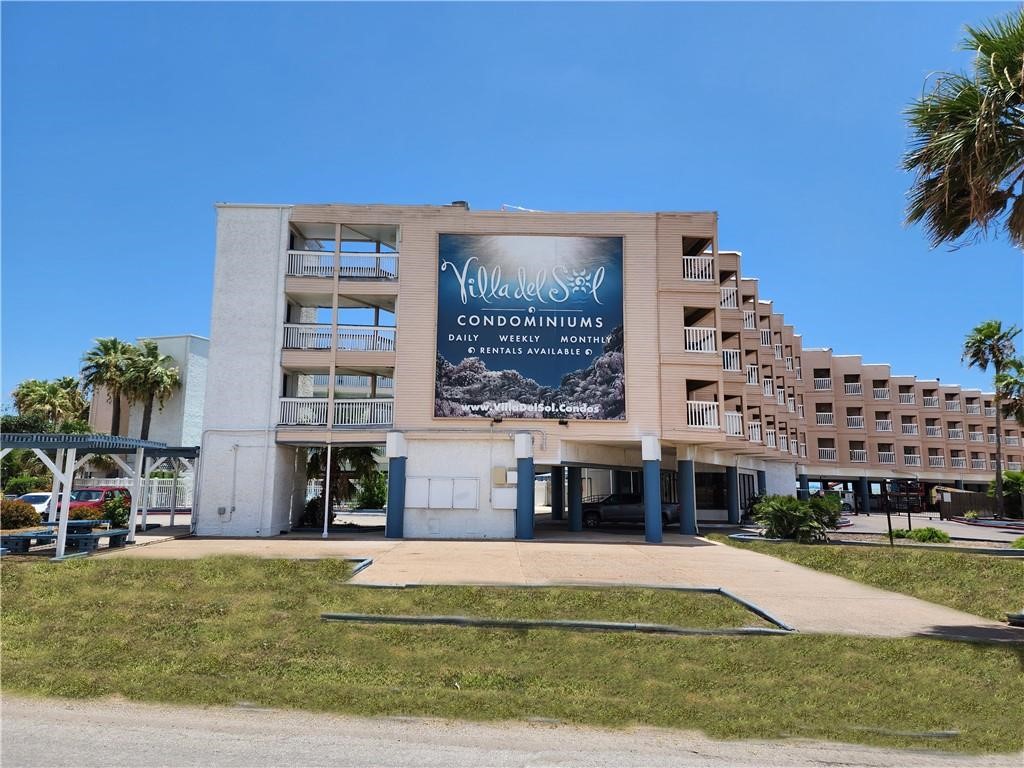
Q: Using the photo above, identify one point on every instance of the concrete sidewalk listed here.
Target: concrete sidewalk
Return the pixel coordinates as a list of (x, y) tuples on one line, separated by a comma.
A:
[(808, 600)]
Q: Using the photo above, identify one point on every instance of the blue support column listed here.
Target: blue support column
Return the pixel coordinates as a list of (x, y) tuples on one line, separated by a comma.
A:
[(864, 495), (687, 499), (394, 522), (732, 494), (652, 502), (524, 498), (762, 483), (804, 492), (575, 499), (557, 493)]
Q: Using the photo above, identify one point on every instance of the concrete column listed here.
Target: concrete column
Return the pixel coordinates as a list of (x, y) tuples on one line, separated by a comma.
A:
[(762, 482), (575, 499), (397, 451), (687, 498), (557, 493), (732, 494), (651, 454), (804, 492), (525, 502), (864, 495)]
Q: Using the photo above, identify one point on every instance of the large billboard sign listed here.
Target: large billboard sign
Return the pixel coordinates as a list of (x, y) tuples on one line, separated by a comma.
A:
[(529, 326)]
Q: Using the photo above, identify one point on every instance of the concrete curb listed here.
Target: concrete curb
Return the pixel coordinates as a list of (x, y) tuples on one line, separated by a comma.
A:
[(1007, 552)]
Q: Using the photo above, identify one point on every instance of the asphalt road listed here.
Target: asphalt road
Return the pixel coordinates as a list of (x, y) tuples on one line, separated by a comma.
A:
[(48, 732)]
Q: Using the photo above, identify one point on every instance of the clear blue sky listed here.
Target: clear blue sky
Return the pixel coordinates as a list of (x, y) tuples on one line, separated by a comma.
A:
[(123, 124)]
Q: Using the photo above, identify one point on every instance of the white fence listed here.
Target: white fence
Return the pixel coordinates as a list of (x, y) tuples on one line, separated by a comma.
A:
[(156, 492), (699, 339), (698, 268), (703, 414)]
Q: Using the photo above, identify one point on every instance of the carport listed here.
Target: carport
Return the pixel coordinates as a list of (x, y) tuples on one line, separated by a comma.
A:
[(71, 452)]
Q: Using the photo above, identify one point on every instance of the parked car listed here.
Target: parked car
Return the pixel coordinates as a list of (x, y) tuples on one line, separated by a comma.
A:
[(95, 498), (622, 508), (40, 500)]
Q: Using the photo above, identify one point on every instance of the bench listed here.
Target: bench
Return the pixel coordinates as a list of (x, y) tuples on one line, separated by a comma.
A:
[(84, 542)]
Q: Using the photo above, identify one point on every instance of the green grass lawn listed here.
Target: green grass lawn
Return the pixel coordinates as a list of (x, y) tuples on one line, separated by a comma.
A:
[(225, 630), (984, 585)]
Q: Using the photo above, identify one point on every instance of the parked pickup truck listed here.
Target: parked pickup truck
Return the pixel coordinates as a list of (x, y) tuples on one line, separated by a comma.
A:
[(622, 508)]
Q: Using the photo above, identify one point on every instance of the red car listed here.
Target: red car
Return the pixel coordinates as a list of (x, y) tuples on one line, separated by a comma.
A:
[(95, 498)]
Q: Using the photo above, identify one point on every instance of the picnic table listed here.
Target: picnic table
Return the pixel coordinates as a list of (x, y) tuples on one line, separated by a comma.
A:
[(84, 541), (76, 524)]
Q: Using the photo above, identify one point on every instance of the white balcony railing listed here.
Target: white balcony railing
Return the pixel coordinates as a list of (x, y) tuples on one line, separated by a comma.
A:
[(702, 414), (778, 351), (769, 438), (803, 450), (907, 398), (990, 412), (992, 464), (363, 413), (784, 442), (734, 423), (880, 393), (908, 429), (827, 454), (793, 448), (955, 433), (729, 299), (731, 360), (700, 339), (853, 388), (310, 264), (1013, 466), (858, 456), (789, 362), (800, 410), (977, 463), (936, 461), (952, 405), (749, 320), (304, 411), (766, 337), (374, 266), (991, 437), (752, 375), (768, 387), (780, 397), (791, 404), (855, 422), (974, 437), (824, 419), (1012, 440), (799, 373), (307, 336), (883, 425), (754, 431), (886, 457), (912, 459), (933, 431), (958, 462), (699, 268), (974, 409), (366, 338), (930, 402), (822, 383)]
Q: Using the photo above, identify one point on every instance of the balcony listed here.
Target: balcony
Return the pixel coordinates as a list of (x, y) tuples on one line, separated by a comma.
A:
[(912, 459), (373, 266), (800, 410), (803, 450), (908, 429), (883, 425), (855, 422), (304, 411), (702, 414), (700, 339), (784, 442), (799, 373), (991, 437), (769, 438), (754, 431), (366, 338), (990, 412), (880, 393), (347, 413), (766, 337), (956, 434), (936, 461), (1013, 466), (699, 268), (749, 320), (858, 456), (729, 299), (307, 336), (974, 437), (853, 388), (789, 363), (826, 454), (977, 463), (958, 462), (952, 405), (734, 424), (731, 360), (1012, 440), (822, 383), (930, 402), (933, 431), (310, 264), (907, 398), (778, 351), (768, 387), (791, 404), (886, 457), (780, 397), (824, 419), (793, 449), (992, 465), (974, 410), (752, 375)]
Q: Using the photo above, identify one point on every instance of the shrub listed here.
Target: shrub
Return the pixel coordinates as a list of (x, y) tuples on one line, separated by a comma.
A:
[(24, 484), (970, 515), (827, 509), (373, 491), (117, 511), (18, 514), (899, 533), (929, 535), (784, 517), (1018, 543)]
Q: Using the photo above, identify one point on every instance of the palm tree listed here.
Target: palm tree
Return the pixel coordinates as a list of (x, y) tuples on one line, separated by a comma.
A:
[(1010, 388), (150, 378), (967, 147), (360, 461), (988, 344), (54, 400), (104, 366)]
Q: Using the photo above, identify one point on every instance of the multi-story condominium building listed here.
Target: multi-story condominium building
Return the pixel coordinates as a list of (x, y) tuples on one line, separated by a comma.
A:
[(481, 347)]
